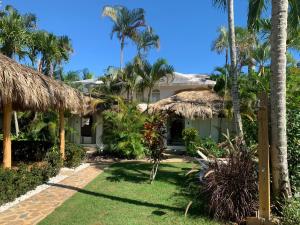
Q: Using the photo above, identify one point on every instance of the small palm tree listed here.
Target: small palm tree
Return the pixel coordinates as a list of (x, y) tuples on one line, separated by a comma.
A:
[(126, 24), (152, 74), (53, 50), (146, 40)]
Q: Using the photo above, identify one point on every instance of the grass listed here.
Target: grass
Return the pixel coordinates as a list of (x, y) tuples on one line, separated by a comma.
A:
[(122, 195)]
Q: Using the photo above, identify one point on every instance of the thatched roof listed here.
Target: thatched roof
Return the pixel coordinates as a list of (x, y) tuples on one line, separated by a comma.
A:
[(30, 90), (191, 104)]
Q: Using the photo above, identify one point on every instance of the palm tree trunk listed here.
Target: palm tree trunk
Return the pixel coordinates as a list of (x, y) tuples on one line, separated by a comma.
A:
[(16, 123), (122, 53), (7, 113), (281, 182), (234, 72)]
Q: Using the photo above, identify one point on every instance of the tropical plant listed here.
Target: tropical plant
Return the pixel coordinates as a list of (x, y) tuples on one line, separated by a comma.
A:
[(154, 139), (291, 212), (146, 40), (293, 137), (152, 74), (232, 187), (123, 125), (126, 24), (190, 136), (229, 186), (15, 31), (53, 50), (233, 64)]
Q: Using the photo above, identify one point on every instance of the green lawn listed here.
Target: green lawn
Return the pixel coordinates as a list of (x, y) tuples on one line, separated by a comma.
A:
[(122, 195)]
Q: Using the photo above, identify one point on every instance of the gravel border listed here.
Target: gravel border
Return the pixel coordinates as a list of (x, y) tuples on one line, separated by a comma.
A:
[(38, 189)]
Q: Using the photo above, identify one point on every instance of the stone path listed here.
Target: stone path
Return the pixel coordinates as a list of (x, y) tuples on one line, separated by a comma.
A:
[(37, 207)]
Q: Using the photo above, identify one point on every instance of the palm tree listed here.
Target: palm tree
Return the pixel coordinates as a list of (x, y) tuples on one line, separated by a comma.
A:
[(53, 51), (238, 126), (152, 74), (284, 24), (221, 44), (131, 78), (126, 24), (146, 40), (15, 32), (281, 182)]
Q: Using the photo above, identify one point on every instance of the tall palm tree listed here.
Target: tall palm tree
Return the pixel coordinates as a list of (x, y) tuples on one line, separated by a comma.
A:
[(284, 24), (126, 24), (238, 126), (221, 44), (281, 182), (152, 74), (15, 33)]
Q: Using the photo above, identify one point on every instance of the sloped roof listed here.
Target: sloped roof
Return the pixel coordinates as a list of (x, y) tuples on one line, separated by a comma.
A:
[(191, 104), (29, 90)]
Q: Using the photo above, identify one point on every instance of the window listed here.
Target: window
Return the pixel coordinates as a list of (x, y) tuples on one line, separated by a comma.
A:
[(155, 95)]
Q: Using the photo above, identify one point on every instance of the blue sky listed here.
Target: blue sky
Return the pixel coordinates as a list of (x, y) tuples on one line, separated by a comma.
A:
[(186, 29)]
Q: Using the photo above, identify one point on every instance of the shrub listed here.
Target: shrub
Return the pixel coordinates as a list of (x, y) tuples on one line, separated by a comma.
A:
[(293, 135), (123, 137), (53, 162), (74, 155), (16, 182), (190, 136), (211, 148), (154, 139), (232, 186), (291, 212)]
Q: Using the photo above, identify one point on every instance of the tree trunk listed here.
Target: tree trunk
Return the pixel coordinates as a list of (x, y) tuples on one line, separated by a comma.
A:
[(62, 133), (148, 98), (234, 72), (122, 53), (7, 114), (281, 182), (16, 123)]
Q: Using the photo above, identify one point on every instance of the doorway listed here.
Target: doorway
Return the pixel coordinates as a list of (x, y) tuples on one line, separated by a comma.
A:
[(176, 125)]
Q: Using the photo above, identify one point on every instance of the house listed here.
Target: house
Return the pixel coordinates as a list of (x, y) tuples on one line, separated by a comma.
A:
[(187, 98)]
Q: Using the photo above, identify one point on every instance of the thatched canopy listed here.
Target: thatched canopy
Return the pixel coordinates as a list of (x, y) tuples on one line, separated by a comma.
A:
[(191, 104), (29, 90)]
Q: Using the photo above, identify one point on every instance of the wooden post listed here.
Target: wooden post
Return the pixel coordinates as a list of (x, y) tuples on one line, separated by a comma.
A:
[(263, 156), (7, 115), (62, 133), (264, 211)]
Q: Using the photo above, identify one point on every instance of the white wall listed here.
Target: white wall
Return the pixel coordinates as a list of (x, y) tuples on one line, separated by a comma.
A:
[(74, 123), (210, 127)]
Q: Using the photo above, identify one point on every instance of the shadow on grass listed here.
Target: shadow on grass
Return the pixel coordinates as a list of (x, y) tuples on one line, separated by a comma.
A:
[(116, 198), (140, 172)]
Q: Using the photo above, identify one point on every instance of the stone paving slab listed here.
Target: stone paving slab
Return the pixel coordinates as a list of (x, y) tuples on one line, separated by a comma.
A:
[(37, 207)]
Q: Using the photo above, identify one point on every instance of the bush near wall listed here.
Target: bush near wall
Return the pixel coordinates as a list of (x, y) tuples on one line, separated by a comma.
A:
[(28, 150), (75, 154), (16, 182)]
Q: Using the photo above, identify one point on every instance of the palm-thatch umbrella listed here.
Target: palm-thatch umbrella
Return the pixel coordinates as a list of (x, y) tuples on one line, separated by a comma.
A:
[(22, 88), (191, 104)]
